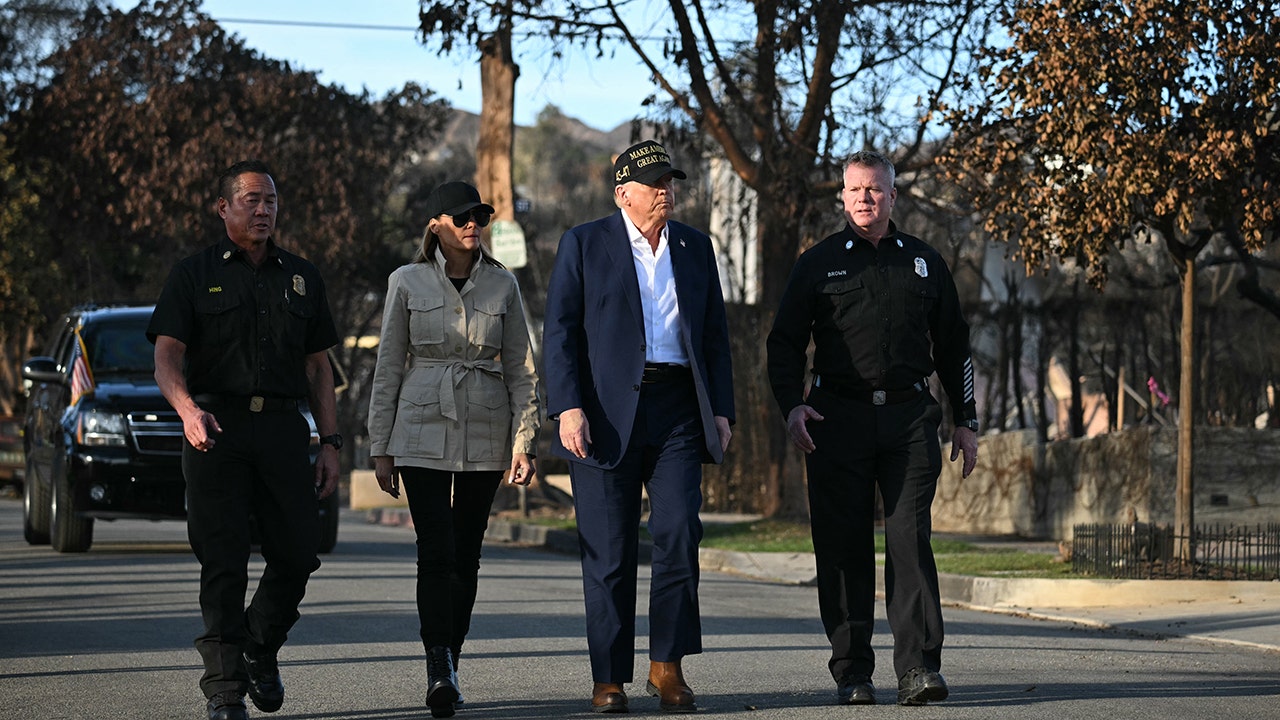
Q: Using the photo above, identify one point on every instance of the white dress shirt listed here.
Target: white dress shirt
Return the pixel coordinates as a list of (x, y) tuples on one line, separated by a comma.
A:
[(657, 298)]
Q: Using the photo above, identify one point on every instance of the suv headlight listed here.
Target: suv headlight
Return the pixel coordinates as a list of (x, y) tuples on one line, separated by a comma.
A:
[(97, 428)]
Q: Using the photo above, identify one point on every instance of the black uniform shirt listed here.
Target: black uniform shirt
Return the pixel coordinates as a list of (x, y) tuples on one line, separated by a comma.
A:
[(247, 330), (880, 317)]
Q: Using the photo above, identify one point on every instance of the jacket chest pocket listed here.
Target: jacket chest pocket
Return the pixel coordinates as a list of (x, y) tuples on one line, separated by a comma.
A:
[(297, 317), (219, 320), (846, 300), (486, 324), (426, 320), (918, 296)]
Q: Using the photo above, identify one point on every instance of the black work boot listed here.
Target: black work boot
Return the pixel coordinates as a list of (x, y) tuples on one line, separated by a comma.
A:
[(265, 687), (227, 705)]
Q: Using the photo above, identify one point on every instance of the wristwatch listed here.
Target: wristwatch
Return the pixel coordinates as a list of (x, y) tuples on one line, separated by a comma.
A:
[(971, 423), (335, 440)]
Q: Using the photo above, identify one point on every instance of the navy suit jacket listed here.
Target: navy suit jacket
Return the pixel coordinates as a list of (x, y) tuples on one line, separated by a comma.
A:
[(593, 334)]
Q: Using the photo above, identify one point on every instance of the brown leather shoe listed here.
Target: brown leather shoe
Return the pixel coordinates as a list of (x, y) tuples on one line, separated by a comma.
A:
[(666, 680), (608, 698)]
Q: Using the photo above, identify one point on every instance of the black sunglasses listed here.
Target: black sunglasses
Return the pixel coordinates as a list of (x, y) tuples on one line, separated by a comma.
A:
[(461, 220)]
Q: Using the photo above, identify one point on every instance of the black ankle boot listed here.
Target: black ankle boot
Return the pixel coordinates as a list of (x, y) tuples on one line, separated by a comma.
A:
[(456, 656), (442, 690)]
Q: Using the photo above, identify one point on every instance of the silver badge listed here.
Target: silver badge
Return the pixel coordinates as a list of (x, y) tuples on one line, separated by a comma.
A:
[(922, 268), (300, 285)]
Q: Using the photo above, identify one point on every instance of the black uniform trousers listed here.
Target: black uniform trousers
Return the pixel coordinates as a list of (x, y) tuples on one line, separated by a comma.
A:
[(664, 455), (259, 464), (450, 514), (860, 446)]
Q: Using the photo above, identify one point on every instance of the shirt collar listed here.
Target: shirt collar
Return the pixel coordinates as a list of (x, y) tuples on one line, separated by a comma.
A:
[(635, 237), (886, 240), (228, 251)]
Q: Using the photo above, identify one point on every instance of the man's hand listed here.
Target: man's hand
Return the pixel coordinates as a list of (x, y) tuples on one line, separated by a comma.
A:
[(327, 471), (797, 428), (722, 429), (199, 427), (966, 441), (575, 432)]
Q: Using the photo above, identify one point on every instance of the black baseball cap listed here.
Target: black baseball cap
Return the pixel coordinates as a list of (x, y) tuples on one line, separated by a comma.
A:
[(455, 198), (645, 162)]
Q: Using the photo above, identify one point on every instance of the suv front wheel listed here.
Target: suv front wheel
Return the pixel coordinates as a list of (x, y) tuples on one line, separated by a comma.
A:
[(69, 532)]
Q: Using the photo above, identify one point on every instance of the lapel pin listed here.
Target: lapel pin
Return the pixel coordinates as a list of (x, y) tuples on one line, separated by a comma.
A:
[(682, 243)]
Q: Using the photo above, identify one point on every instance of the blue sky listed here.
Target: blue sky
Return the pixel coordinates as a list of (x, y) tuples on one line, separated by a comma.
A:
[(601, 93)]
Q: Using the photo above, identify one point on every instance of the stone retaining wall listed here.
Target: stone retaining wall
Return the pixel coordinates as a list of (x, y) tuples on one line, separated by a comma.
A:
[(1023, 487)]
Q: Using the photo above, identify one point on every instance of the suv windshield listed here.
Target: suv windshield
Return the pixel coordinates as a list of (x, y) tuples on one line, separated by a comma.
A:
[(119, 346)]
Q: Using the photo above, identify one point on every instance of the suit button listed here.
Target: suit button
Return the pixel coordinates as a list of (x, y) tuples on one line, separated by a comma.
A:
[(635, 387), (457, 311)]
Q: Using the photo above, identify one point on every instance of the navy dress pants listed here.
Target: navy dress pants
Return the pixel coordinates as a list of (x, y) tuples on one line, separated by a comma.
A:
[(664, 456)]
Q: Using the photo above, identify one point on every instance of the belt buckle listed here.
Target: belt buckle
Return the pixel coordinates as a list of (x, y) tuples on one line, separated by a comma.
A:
[(255, 403), (878, 397)]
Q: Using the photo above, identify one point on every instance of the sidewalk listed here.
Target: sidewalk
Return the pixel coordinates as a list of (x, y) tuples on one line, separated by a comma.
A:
[(1229, 612)]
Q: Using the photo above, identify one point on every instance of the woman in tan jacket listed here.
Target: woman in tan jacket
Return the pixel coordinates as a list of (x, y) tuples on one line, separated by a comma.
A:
[(454, 404)]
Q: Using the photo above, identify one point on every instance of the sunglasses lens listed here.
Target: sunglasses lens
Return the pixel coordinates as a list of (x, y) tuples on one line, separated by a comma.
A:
[(481, 218)]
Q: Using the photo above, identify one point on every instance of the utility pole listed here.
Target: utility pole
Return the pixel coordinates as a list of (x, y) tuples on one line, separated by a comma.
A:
[(498, 73)]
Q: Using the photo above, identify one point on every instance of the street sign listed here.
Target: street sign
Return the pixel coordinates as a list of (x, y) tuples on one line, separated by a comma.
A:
[(507, 241)]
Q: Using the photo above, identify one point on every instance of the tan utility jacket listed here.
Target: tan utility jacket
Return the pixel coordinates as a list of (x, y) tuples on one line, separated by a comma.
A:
[(454, 387)]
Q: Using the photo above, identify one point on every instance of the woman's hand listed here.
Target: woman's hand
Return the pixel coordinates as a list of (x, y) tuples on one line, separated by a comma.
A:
[(384, 468), (523, 469)]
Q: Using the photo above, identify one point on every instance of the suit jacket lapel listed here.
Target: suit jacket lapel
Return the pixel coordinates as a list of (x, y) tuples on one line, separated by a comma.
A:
[(618, 247), (679, 269)]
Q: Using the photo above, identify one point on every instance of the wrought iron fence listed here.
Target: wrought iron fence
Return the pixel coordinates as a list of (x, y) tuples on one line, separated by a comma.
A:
[(1142, 550)]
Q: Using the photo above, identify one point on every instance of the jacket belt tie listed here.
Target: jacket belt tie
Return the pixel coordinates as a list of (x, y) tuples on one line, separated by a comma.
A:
[(457, 370)]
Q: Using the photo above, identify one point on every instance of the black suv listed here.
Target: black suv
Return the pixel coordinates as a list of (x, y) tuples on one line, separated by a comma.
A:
[(117, 451)]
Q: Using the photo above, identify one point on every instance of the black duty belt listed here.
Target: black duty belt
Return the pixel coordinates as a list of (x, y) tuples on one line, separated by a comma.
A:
[(252, 403), (665, 372), (861, 393)]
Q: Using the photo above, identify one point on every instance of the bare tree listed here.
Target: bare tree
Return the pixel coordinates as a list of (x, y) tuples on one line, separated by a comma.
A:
[(1144, 120), (120, 150), (780, 89)]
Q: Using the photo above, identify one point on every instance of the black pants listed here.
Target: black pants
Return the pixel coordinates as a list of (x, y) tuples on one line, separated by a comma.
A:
[(450, 514), (259, 464), (664, 455), (859, 447)]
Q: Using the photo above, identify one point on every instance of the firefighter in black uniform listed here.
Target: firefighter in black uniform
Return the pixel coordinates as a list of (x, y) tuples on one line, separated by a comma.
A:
[(882, 310), (242, 329)]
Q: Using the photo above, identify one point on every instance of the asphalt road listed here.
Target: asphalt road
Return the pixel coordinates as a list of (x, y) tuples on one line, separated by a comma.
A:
[(107, 634)]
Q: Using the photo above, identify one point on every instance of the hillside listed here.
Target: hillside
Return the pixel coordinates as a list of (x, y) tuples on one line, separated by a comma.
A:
[(463, 130)]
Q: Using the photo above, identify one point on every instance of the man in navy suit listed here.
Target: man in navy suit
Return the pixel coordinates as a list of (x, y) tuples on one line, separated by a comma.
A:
[(637, 370)]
